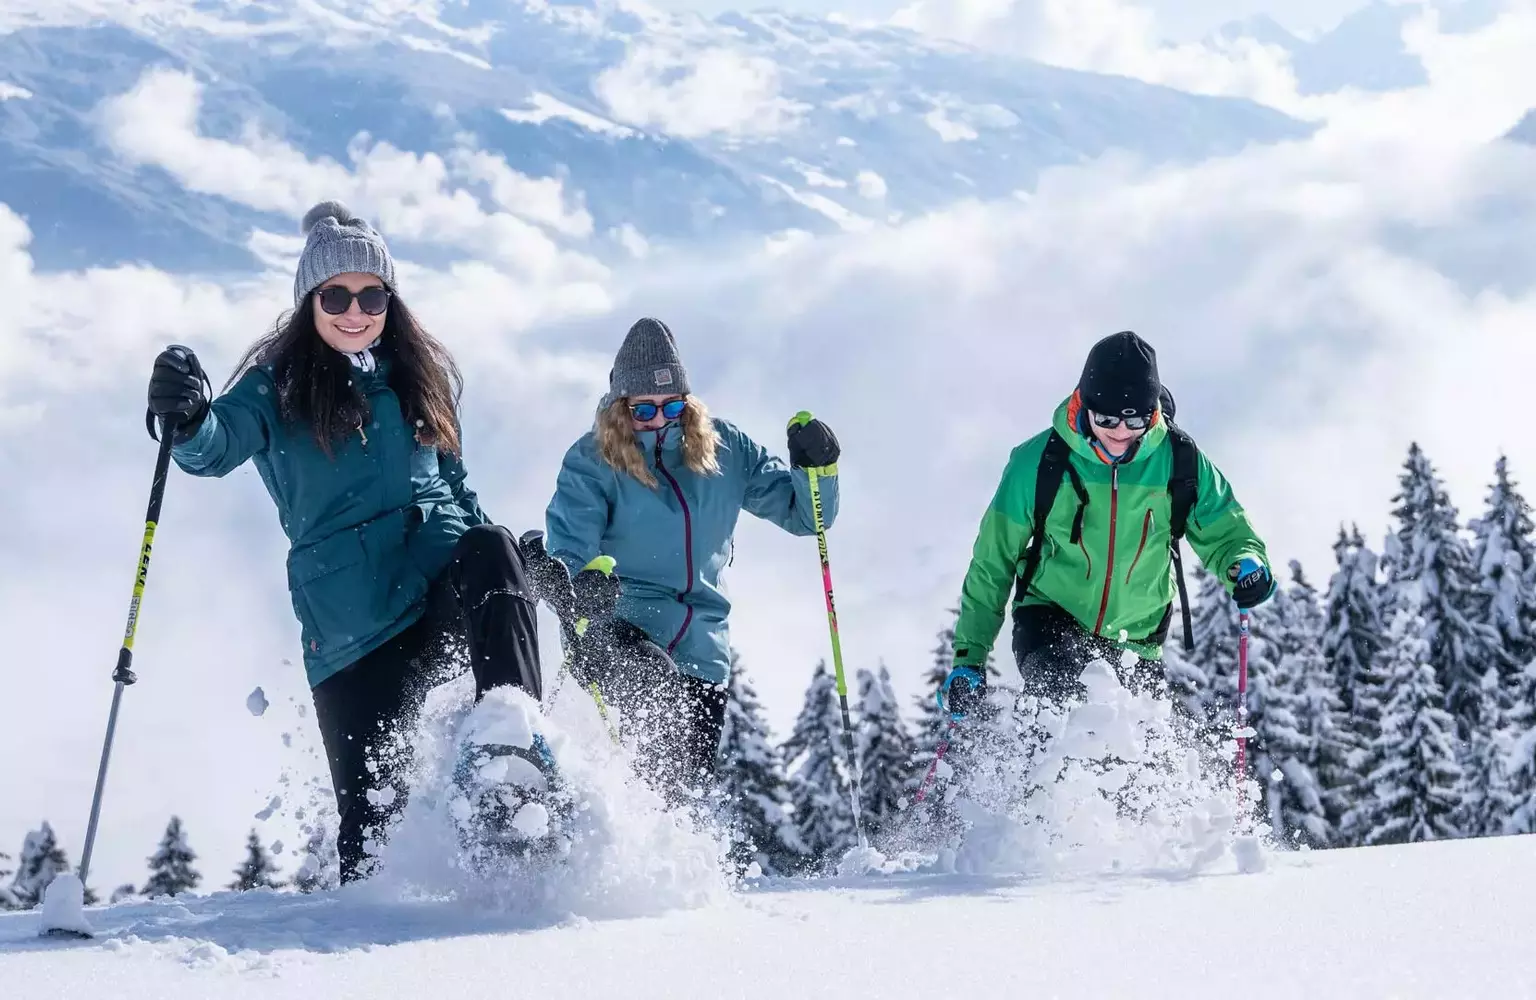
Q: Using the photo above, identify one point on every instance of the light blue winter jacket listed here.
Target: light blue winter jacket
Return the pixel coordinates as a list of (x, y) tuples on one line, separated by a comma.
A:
[(673, 542)]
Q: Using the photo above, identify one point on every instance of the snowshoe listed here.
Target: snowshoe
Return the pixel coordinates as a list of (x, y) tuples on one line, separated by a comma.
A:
[(508, 798), (511, 802)]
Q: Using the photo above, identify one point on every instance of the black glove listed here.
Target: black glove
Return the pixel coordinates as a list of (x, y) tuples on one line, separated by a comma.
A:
[(1254, 584), (550, 580), (812, 445), (597, 594), (178, 392)]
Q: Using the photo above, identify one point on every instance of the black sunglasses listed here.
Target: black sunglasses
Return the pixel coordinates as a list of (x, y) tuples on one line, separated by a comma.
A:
[(671, 409), (336, 300), (1109, 421)]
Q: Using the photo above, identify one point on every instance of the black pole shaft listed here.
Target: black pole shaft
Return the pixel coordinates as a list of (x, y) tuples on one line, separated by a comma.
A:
[(123, 676)]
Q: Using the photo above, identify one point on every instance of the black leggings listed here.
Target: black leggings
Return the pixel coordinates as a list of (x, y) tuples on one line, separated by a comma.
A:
[(366, 710), (1052, 648), (676, 718)]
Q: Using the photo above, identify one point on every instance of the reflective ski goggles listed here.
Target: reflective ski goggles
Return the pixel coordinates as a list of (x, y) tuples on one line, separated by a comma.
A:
[(646, 412), (336, 300), (1110, 421)]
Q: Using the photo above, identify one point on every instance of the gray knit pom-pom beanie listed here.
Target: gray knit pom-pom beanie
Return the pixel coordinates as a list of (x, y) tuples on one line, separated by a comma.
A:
[(339, 243)]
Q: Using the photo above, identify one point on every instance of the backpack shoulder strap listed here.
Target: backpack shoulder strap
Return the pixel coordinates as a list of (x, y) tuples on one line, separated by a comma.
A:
[(1055, 464), (1183, 492), (1184, 481)]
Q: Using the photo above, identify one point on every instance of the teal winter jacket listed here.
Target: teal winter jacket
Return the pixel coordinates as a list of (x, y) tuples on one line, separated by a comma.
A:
[(672, 543), (368, 528)]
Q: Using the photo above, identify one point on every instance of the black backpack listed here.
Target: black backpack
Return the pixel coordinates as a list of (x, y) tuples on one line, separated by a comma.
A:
[(1183, 491)]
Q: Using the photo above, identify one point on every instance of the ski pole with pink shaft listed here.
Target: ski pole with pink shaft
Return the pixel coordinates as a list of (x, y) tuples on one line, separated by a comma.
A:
[(855, 793), (1242, 711)]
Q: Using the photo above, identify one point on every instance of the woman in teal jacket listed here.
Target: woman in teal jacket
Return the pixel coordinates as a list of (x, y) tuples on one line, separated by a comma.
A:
[(348, 410), (658, 485)]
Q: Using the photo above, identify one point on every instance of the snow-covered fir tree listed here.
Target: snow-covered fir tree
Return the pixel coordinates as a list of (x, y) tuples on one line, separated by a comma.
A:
[(931, 723), (1430, 566), (753, 789), (1215, 624), (1504, 552), (1281, 748), (1189, 686), (1328, 744), (40, 861), (1355, 626), (258, 870), (1500, 776), (1522, 753), (8, 899), (819, 780), (170, 867), (125, 891), (321, 867), (1205, 681), (1410, 791), (885, 753), (1488, 800)]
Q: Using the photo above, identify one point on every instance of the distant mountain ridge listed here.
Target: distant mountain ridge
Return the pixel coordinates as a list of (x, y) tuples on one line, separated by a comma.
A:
[(669, 128)]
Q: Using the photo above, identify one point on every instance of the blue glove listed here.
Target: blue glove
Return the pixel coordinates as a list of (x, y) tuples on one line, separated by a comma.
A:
[(965, 698), (1253, 583)]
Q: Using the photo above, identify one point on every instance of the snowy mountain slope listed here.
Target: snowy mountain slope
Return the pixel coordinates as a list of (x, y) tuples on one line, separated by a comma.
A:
[(678, 126), (1427, 920), (1365, 50), (1525, 130)]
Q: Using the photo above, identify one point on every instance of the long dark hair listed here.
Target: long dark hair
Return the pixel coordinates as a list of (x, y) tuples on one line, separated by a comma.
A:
[(315, 385)]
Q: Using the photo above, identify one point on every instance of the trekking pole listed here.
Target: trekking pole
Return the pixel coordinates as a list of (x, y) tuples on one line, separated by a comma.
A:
[(938, 755), (123, 675), (1242, 709), (938, 752), (802, 418)]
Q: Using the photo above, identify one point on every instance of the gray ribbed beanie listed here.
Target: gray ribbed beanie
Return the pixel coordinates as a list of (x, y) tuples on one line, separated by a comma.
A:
[(648, 363), (339, 243)]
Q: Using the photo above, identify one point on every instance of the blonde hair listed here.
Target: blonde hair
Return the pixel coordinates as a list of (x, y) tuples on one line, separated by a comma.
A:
[(617, 444)]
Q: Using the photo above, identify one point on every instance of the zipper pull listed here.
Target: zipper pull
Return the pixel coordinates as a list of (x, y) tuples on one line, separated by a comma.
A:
[(362, 434)]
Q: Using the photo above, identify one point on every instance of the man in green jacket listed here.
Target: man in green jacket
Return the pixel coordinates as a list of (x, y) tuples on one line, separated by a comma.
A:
[(1103, 575)]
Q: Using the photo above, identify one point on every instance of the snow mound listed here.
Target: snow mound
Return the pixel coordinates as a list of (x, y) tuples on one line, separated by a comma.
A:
[(256, 703), (64, 905), (860, 861), (1105, 783), (505, 715), (622, 852), (532, 820), (1249, 853)]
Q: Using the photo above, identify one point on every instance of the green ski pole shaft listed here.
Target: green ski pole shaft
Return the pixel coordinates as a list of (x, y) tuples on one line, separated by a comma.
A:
[(856, 793)]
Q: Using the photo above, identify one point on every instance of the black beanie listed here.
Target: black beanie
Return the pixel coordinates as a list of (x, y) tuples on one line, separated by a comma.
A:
[(1120, 377)]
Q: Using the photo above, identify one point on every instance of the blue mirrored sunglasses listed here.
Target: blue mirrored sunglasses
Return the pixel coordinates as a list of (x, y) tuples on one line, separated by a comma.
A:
[(671, 409)]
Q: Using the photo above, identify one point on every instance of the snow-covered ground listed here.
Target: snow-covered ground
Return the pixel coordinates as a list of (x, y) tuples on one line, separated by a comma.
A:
[(1110, 905), (1426, 920)]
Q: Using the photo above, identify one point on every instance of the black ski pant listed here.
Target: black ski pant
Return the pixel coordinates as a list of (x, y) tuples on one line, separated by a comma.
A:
[(1052, 650), (366, 711), (676, 718)]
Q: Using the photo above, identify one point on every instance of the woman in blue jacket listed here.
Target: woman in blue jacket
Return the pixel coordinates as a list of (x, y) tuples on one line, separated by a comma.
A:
[(348, 410), (658, 485)]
